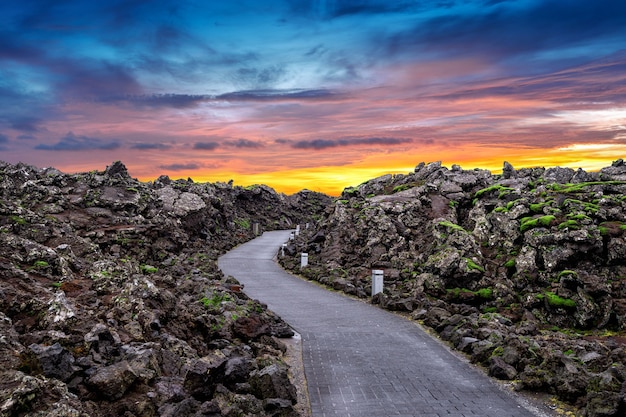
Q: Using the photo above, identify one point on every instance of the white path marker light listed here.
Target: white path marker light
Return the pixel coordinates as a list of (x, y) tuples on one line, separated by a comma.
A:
[(377, 281)]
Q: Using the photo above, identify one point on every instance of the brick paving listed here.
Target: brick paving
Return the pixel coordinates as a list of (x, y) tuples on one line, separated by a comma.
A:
[(360, 360)]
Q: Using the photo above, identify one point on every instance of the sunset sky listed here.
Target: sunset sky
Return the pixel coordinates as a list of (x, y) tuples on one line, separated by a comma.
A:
[(317, 94)]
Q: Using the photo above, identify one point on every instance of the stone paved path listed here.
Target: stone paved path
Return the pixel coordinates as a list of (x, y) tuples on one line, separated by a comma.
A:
[(360, 360)]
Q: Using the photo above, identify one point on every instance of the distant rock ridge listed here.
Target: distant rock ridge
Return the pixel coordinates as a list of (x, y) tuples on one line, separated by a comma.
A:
[(111, 302), (525, 271)]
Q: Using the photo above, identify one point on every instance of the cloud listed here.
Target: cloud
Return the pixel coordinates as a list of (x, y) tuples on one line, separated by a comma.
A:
[(95, 79), (178, 101), (318, 144), (506, 32), (72, 142), (26, 123), (180, 167), (577, 84), (243, 143), (206, 146), (3, 138), (277, 94), (259, 77), (184, 101), (151, 146)]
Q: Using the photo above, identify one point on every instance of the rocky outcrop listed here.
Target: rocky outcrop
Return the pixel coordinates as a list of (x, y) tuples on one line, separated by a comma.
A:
[(524, 271), (111, 302)]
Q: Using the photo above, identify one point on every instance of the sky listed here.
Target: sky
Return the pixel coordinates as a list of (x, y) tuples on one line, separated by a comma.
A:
[(315, 94)]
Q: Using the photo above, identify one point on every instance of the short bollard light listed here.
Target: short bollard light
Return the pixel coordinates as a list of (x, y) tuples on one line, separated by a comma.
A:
[(304, 259), (377, 281)]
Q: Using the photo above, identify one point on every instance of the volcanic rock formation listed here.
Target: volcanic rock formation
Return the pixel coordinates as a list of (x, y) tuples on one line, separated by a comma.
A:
[(525, 272), (111, 303)]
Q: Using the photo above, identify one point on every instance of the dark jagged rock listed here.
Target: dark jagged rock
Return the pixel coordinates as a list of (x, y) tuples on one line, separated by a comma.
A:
[(524, 271), (111, 302)]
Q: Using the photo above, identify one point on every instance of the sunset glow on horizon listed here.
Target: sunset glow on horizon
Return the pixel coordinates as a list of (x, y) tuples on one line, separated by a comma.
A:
[(315, 94)]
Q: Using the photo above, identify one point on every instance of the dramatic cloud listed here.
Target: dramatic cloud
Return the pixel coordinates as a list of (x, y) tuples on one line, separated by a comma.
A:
[(178, 101), (277, 95), (243, 143), (206, 146), (26, 124), (333, 143), (151, 146), (546, 30), (180, 167), (72, 142)]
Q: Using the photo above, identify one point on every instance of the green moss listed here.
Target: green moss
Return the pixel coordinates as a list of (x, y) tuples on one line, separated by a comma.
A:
[(243, 223), (556, 301), (216, 300), (486, 293), (503, 191), (578, 217), (580, 187), (452, 226), (569, 224), (148, 269), (41, 264), (528, 223), (567, 272), (399, 188), (500, 209), (473, 266), (490, 310), (18, 220), (510, 263), (537, 208), (498, 351)]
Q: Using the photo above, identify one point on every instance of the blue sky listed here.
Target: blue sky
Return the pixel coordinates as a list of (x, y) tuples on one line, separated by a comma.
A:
[(320, 93)]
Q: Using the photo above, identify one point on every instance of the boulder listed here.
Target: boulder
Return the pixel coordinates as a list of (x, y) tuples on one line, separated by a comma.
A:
[(498, 368), (112, 381), (273, 382), (55, 361)]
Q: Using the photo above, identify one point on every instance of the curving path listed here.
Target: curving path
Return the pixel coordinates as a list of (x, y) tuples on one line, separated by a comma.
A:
[(360, 360)]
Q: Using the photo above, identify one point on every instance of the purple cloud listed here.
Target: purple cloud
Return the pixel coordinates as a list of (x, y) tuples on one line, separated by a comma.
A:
[(72, 142), (318, 144), (206, 146)]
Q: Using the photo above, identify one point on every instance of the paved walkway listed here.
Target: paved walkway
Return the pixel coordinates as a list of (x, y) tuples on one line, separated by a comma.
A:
[(360, 360)]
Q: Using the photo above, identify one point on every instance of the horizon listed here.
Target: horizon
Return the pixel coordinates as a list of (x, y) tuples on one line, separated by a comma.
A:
[(289, 190), (311, 94)]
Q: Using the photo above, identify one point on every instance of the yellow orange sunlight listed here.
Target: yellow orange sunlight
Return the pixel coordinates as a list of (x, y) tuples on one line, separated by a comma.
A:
[(332, 180)]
